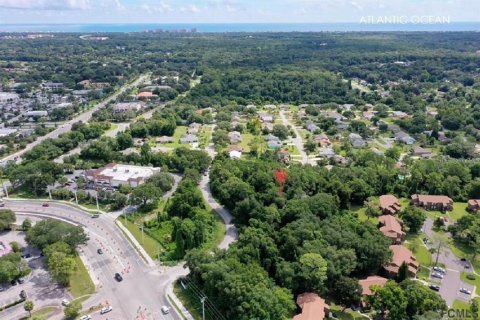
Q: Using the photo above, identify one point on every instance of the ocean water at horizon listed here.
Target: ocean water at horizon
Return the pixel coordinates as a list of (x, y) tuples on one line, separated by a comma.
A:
[(239, 27)]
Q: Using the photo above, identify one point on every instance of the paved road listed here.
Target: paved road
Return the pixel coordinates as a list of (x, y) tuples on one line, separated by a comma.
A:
[(82, 117), (451, 283), (231, 231), (297, 140), (142, 292)]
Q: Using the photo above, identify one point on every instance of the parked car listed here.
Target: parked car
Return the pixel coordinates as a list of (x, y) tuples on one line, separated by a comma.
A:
[(118, 277), (100, 251), (438, 269), (20, 280), (434, 287), (95, 215), (13, 282), (65, 302), (45, 204), (463, 259), (87, 317), (165, 310), (26, 255), (23, 294), (106, 310), (465, 290), (437, 275)]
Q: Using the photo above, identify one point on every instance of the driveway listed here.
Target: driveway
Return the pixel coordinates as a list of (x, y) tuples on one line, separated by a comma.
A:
[(297, 141), (451, 283)]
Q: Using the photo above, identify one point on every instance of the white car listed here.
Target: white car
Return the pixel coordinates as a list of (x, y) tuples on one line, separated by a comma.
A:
[(465, 290), (106, 310), (438, 269), (65, 302), (437, 275), (87, 317), (165, 310)]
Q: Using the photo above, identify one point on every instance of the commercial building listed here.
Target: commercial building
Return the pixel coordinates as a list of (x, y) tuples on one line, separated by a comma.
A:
[(114, 175)]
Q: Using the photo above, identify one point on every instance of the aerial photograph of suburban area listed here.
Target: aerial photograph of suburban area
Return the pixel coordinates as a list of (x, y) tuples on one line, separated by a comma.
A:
[(239, 159)]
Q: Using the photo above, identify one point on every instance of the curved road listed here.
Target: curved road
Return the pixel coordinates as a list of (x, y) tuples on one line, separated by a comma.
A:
[(143, 290)]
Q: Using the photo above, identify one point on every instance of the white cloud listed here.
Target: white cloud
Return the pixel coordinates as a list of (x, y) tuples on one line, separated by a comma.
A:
[(191, 8), (46, 4)]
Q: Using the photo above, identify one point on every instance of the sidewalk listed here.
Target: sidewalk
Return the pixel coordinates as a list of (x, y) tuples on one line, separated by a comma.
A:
[(177, 303), (136, 245)]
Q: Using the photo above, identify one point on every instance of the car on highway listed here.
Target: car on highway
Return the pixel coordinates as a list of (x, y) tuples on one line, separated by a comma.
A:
[(23, 294), (437, 275), (465, 290), (434, 287), (106, 309), (45, 204), (165, 309), (65, 302), (118, 277), (86, 317), (100, 251), (438, 269)]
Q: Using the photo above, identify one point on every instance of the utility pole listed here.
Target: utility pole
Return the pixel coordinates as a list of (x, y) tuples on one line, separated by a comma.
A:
[(202, 300), (76, 199), (96, 197), (49, 193), (143, 238), (5, 188)]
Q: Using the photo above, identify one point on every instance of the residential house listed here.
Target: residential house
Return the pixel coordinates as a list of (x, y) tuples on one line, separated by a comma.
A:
[(404, 138), (338, 159), (356, 140), (284, 156), (5, 132), (367, 284), (235, 137), (164, 139), (429, 202), (52, 85), (313, 307), (270, 107), (473, 205), (333, 115), (188, 138), (234, 154), (400, 256), (146, 95), (312, 127), (322, 140), (394, 128), (399, 114), (10, 97), (421, 152), (368, 115), (235, 148), (194, 128), (326, 152), (391, 228), (274, 144), (389, 204), (265, 117), (37, 113)]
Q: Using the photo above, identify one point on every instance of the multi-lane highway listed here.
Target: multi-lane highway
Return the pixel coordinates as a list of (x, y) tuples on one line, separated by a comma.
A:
[(82, 117), (142, 292)]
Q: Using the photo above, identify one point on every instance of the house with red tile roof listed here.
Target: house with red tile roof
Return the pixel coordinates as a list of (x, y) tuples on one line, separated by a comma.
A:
[(429, 202), (389, 204), (367, 284), (401, 255), (391, 228), (313, 307), (146, 95)]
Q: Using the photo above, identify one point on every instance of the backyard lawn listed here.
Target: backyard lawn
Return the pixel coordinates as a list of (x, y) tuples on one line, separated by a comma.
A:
[(421, 253), (179, 131)]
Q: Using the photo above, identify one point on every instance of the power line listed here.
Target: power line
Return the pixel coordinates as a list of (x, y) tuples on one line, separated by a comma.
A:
[(209, 302), (213, 310)]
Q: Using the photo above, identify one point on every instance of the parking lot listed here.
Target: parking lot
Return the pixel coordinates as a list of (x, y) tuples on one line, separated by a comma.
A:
[(38, 285), (450, 285)]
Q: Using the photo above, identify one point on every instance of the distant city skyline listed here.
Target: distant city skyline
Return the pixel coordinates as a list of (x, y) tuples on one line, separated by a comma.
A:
[(236, 11)]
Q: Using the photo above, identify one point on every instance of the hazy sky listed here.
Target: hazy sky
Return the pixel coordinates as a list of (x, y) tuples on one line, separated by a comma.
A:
[(211, 11)]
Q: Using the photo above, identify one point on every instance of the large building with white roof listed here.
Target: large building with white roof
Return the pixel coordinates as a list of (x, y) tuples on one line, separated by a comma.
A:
[(113, 175)]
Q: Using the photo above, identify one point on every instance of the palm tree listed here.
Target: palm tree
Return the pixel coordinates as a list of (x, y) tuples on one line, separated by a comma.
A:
[(28, 306)]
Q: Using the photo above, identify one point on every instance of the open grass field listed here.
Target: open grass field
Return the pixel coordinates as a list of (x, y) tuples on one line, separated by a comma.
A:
[(80, 282)]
